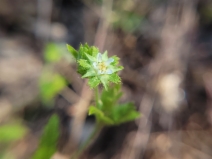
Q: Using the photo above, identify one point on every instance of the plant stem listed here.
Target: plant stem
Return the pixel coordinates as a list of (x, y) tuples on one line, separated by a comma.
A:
[(87, 143), (97, 95)]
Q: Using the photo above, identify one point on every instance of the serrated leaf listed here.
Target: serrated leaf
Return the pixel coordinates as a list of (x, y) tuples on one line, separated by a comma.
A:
[(84, 63), (72, 51), (48, 142), (81, 70), (100, 116), (124, 113), (114, 78), (93, 82)]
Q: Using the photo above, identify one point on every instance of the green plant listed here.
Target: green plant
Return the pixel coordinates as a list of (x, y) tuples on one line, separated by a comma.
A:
[(101, 70)]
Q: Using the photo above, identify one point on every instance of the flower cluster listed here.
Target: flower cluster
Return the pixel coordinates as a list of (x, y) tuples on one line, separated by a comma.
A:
[(97, 67)]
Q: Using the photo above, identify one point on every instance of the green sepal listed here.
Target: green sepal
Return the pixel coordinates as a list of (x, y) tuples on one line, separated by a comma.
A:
[(89, 73), (104, 56), (91, 58)]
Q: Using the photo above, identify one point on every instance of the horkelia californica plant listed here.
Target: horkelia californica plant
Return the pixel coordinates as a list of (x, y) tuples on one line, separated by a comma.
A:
[(96, 67)]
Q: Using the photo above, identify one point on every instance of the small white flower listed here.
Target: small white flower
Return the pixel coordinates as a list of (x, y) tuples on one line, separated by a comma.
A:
[(102, 64)]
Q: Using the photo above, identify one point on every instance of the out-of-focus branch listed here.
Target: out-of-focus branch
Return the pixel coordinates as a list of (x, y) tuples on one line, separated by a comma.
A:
[(44, 9)]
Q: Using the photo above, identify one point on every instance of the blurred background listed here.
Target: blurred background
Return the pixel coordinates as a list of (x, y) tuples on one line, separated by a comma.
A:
[(165, 47)]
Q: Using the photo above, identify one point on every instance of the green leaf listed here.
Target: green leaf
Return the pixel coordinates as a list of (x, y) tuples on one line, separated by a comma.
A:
[(93, 82), (84, 63), (100, 116), (110, 98), (72, 51), (48, 142), (124, 113), (11, 132), (50, 85), (107, 110), (82, 70), (114, 78)]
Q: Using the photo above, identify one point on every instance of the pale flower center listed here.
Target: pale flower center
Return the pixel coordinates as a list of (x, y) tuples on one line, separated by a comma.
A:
[(102, 66)]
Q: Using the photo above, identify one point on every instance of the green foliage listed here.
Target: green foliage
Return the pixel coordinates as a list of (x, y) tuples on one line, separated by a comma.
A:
[(124, 112), (108, 112), (11, 132), (50, 85), (48, 142), (110, 98), (99, 69)]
